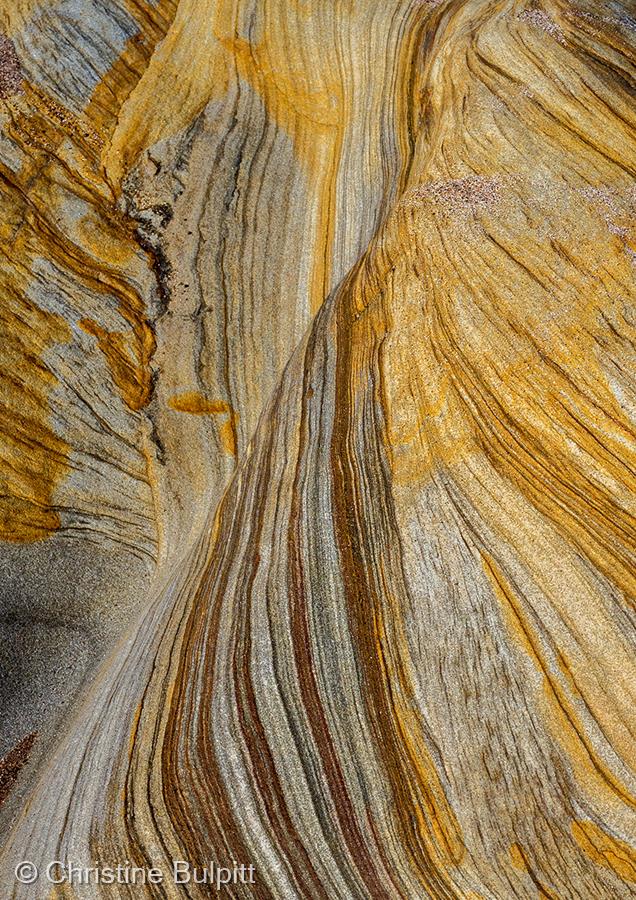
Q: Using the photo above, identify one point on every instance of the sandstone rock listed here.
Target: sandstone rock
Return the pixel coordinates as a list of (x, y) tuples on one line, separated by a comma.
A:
[(318, 394)]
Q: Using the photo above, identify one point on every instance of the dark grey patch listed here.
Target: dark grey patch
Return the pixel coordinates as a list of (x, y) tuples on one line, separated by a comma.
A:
[(149, 240)]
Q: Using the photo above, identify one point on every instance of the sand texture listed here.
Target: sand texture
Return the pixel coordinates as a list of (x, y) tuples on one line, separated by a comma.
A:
[(317, 446)]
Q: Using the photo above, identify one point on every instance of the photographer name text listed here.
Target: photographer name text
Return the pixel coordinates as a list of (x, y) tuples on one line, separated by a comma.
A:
[(180, 872)]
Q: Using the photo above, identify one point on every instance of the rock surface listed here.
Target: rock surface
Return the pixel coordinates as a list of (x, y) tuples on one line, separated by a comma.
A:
[(317, 458)]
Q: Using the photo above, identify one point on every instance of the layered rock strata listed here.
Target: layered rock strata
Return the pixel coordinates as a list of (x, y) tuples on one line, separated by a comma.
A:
[(317, 445)]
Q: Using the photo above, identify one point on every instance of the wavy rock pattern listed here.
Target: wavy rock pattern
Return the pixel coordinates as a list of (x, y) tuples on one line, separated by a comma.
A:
[(318, 393)]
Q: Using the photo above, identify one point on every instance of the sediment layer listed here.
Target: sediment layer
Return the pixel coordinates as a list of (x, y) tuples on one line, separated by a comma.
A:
[(317, 445)]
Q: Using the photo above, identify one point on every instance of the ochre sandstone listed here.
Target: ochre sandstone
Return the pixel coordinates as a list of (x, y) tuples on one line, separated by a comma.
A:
[(317, 446)]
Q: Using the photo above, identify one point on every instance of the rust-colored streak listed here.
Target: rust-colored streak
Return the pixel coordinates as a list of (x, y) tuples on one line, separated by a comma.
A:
[(310, 693), (214, 828), (12, 764)]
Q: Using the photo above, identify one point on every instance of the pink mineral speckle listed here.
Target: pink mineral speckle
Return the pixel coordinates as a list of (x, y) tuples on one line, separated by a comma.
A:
[(10, 71), (606, 201), (459, 195), (542, 20)]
